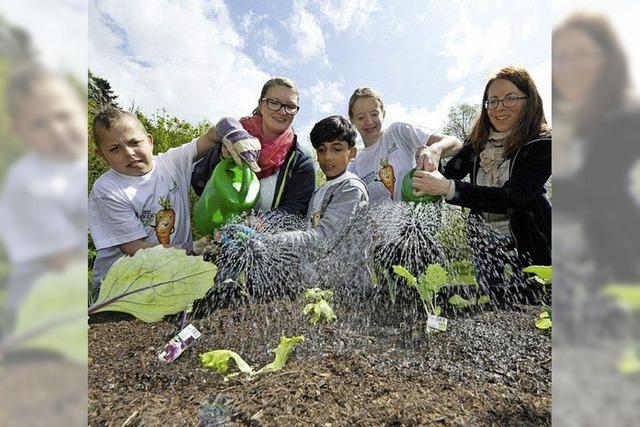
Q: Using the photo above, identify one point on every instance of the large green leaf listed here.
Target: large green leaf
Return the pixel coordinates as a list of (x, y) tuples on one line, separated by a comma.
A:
[(627, 296), (545, 272), (153, 283), (284, 349), (53, 317), (403, 272)]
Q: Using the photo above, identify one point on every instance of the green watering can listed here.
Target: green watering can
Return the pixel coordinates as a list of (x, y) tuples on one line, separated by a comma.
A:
[(407, 191), (231, 190)]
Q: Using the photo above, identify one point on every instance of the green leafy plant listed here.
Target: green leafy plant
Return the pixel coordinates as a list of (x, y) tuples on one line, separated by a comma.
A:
[(153, 283), (218, 360), (318, 306), (629, 363), (52, 316), (544, 319), (461, 302), (282, 352), (428, 285), (627, 297), (543, 274)]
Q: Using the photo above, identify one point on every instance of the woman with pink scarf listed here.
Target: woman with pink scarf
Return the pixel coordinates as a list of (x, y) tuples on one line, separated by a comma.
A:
[(267, 142)]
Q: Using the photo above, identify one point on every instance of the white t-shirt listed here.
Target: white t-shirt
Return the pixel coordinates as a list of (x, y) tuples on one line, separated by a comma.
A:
[(43, 213), (383, 165), (153, 207)]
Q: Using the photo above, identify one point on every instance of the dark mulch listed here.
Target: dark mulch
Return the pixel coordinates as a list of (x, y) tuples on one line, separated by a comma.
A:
[(491, 368)]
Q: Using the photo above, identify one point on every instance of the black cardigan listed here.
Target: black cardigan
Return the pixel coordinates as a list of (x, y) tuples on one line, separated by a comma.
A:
[(523, 196), (296, 178)]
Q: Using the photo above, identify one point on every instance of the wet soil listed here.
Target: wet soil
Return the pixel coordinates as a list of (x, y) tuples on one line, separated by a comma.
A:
[(488, 368)]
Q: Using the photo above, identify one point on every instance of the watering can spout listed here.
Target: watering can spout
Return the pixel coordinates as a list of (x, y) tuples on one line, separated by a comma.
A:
[(230, 191)]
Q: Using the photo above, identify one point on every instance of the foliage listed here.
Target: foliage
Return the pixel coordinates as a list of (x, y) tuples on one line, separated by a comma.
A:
[(626, 296), (100, 91), (542, 272), (153, 283), (428, 285), (544, 319), (319, 305), (460, 302), (52, 316), (218, 360), (461, 119), (453, 235), (629, 363), (282, 352)]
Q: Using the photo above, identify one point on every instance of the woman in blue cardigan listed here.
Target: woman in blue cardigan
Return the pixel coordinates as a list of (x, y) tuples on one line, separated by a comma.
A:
[(508, 159)]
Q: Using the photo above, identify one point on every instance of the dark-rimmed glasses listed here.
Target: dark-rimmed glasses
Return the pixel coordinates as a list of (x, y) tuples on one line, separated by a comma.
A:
[(275, 105)]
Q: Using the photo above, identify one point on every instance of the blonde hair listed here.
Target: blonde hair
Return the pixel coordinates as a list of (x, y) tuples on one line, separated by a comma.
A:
[(365, 92)]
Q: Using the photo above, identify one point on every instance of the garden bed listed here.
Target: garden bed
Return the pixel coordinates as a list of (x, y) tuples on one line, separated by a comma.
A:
[(488, 368)]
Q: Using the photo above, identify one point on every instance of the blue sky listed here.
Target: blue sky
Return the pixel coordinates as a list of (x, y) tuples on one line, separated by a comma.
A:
[(206, 59)]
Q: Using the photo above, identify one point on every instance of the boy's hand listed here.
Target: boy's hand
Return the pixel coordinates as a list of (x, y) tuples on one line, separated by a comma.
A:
[(238, 143)]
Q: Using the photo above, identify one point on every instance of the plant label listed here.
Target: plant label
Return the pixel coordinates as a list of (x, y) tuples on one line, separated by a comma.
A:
[(179, 343), (437, 322)]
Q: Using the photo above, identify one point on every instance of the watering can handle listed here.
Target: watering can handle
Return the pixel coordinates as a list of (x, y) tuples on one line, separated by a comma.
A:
[(246, 180)]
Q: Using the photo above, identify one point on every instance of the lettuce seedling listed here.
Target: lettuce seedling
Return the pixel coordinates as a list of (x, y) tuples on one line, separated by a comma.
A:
[(319, 305), (544, 319), (218, 360), (543, 274)]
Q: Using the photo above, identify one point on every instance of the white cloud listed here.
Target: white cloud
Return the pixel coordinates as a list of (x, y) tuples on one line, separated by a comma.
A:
[(529, 27), (431, 119), (473, 46), (58, 32), (541, 75), (250, 20), (310, 41), (185, 57), (274, 57), (352, 14), (326, 97)]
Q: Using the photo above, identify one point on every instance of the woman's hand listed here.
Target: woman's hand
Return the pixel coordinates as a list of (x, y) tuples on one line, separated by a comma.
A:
[(428, 158), (432, 183)]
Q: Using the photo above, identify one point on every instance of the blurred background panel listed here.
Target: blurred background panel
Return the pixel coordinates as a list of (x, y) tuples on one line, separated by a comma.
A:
[(596, 233), (43, 175)]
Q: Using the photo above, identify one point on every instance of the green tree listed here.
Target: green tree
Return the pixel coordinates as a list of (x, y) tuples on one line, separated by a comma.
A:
[(461, 119)]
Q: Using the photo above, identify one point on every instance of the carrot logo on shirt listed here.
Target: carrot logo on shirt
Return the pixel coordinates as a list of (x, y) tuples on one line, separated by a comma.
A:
[(387, 175), (165, 221)]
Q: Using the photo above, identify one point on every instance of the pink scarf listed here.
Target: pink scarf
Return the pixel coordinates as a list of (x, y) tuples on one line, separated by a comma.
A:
[(273, 152)]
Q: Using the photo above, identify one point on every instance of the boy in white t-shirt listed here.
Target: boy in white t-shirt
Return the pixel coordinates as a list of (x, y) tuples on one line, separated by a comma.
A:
[(143, 200), (390, 153)]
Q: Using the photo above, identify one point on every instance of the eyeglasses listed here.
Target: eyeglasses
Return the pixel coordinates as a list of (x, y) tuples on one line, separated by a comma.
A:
[(275, 105), (508, 102)]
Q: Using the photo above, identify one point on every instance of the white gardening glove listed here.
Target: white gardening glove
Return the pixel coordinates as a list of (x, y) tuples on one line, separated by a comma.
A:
[(239, 143)]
